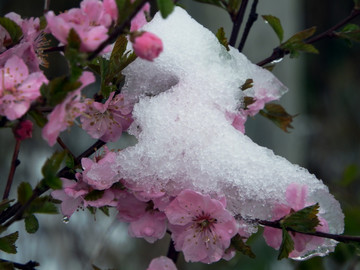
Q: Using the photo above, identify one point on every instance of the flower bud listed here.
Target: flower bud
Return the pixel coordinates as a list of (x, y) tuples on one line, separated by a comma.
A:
[(23, 130), (147, 46)]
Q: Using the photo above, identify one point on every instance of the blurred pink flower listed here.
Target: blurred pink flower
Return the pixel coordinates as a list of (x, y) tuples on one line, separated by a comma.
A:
[(201, 227), (140, 19), (23, 130), (98, 173), (64, 114), (18, 88), (296, 200), (107, 121), (162, 263), (147, 46)]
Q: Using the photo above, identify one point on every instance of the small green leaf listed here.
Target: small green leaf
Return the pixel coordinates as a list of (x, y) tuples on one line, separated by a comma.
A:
[(105, 210), (51, 167), (165, 7), (304, 220), (39, 118), (275, 24), (7, 266), (350, 174), (69, 161), (287, 245), (31, 224), (296, 43), (7, 243), (238, 243), (94, 195), (247, 84), (357, 4), (24, 192), (222, 38), (95, 267), (4, 204), (277, 114), (351, 32), (76, 58), (233, 6), (12, 28), (42, 205)]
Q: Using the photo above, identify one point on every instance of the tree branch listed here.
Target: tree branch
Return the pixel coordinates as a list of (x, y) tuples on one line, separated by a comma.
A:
[(30, 265), (278, 53), (337, 237), (237, 22), (14, 164), (252, 18)]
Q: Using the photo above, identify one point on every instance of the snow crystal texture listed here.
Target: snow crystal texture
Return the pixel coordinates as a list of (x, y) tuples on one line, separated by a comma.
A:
[(184, 137)]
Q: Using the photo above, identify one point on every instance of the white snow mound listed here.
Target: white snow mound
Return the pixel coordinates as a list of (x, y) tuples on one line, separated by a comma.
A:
[(184, 138)]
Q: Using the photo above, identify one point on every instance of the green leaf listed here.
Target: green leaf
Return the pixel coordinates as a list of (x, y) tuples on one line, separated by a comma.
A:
[(76, 58), (287, 245), (43, 205), (12, 28), (277, 114), (304, 220), (69, 161), (105, 210), (350, 174), (357, 4), (24, 192), (39, 118), (7, 243), (7, 266), (296, 43), (222, 38), (238, 243), (94, 195), (165, 7), (51, 167), (234, 6), (275, 24), (247, 84), (31, 224), (351, 32), (4, 204)]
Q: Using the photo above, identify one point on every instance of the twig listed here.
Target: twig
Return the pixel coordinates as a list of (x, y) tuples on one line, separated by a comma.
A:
[(28, 266), (252, 18), (237, 22), (279, 53), (46, 6), (54, 49), (63, 146), (337, 237), (15, 211), (14, 164), (117, 31), (172, 253)]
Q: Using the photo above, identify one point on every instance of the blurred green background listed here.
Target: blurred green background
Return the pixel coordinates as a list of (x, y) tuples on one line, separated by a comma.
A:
[(324, 90)]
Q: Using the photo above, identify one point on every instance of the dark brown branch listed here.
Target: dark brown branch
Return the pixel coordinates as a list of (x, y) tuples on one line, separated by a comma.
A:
[(14, 164), (30, 265), (279, 53), (63, 146), (172, 253), (54, 49), (237, 21), (252, 18), (337, 237), (117, 31)]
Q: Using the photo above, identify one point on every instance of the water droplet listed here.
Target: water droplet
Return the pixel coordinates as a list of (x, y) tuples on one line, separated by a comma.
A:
[(277, 60), (66, 219)]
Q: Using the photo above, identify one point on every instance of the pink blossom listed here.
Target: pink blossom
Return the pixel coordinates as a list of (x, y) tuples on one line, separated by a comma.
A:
[(31, 45), (129, 207), (98, 173), (18, 88), (162, 263), (140, 19), (296, 200), (23, 130), (201, 227), (107, 121), (237, 120), (65, 113), (147, 46), (91, 22), (151, 226)]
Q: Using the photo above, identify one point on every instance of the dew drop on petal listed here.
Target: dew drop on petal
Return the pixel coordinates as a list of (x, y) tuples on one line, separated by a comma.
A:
[(66, 219)]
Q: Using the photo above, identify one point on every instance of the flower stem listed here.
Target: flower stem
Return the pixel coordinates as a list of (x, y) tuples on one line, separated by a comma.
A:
[(14, 164), (30, 265)]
